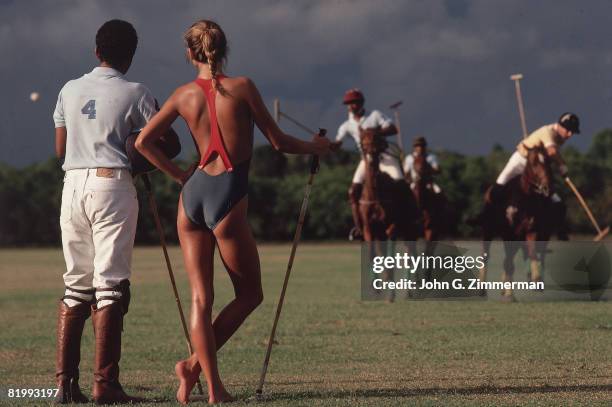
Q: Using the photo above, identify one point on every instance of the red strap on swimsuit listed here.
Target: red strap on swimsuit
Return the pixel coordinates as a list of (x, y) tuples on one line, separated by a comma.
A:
[(216, 142)]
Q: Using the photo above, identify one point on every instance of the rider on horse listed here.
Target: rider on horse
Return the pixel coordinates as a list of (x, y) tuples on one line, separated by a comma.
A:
[(431, 166), (359, 121), (550, 137)]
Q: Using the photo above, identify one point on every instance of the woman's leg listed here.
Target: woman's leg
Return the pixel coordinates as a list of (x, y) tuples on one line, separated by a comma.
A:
[(238, 252), (198, 249)]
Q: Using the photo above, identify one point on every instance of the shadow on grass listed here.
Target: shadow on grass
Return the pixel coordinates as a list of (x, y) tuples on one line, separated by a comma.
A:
[(435, 391), (438, 379)]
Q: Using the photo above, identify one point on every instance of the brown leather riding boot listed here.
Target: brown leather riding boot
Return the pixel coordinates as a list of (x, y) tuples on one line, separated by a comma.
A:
[(108, 324), (70, 323)]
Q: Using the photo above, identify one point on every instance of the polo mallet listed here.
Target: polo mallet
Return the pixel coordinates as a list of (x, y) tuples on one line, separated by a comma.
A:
[(601, 233), (519, 100), (278, 113), (162, 238), (400, 143), (314, 168)]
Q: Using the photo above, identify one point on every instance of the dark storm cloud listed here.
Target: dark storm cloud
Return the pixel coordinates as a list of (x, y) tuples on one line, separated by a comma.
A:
[(449, 61)]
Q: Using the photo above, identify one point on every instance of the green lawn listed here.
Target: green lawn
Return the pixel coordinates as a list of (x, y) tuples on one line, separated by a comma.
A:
[(333, 349)]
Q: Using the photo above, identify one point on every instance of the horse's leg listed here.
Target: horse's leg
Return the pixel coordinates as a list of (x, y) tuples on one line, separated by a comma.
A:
[(410, 247), (354, 194), (532, 252), (368, 239), (510, 249), (389, 246), (486, 254)]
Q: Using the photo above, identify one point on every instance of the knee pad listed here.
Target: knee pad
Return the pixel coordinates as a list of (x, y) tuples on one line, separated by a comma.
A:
[(73, 296), (117, 294)]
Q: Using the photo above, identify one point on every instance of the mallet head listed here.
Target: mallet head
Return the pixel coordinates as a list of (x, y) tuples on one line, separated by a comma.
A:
[(604, 232), (516, 76)]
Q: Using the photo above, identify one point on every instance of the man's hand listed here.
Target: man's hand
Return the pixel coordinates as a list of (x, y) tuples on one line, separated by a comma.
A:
[(563, 170)]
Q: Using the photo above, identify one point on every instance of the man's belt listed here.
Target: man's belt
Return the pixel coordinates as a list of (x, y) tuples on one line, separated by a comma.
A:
[(105, 172)]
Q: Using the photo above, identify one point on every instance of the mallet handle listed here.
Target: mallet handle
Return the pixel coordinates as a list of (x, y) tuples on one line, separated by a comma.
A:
[(399, 136), (519, 99), (583, 203), (297, 123), (296, 240)]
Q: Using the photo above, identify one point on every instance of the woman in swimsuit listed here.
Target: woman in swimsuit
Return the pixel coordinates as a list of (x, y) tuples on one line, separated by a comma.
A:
[(220, 112)]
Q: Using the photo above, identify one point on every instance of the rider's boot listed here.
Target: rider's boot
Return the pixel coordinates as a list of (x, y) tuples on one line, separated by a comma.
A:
[(70, 323), (108, 323)]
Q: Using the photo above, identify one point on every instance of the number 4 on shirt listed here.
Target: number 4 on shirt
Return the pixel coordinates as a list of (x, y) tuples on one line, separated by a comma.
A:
[(90, 109)]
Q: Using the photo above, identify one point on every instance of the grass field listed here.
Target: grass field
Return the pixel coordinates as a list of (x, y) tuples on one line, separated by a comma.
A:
[(333, 349)]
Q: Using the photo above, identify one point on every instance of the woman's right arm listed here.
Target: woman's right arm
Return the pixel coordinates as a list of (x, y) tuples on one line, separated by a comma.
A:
[(278, 139), (154, 130)]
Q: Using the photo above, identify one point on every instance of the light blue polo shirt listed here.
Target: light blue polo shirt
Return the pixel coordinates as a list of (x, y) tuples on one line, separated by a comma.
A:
[(100, 110)]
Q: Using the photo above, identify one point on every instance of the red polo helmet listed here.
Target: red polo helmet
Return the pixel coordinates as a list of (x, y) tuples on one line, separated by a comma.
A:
[(353, 95)]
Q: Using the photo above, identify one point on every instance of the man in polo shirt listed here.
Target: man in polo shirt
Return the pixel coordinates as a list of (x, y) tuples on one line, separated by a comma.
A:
[(358, 121), (431, 161), (93, 117), (550, 137)]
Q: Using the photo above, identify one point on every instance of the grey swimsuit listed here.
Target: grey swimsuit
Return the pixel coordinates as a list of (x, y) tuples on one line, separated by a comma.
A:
[(207, 199)]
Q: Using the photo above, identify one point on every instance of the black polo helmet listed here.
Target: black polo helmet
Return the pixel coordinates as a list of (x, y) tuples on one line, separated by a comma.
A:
[(419, 141), (570, 122)]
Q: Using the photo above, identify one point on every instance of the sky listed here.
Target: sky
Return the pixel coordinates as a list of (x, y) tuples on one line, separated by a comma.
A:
[(449, 61)]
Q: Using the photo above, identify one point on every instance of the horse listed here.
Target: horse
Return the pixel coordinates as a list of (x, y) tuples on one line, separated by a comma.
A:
[(430, 203), (521, 215), (387, 209)]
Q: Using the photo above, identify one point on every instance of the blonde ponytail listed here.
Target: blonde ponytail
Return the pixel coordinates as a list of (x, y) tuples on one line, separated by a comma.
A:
[(207, 41)]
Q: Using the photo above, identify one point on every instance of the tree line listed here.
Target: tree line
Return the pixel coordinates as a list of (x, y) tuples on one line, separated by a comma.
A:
[(30, 197)]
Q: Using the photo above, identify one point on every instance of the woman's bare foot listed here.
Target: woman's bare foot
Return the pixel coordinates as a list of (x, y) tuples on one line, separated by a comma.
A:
[(187, 379), (221, 396)]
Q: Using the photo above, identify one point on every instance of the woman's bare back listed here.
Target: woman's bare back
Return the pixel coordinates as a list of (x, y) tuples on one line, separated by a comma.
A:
[(233, 115)]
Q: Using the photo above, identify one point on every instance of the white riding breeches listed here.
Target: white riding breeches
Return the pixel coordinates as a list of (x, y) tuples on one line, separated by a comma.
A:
[(515, 166), (98, 221), (388, 164), (433, 186)]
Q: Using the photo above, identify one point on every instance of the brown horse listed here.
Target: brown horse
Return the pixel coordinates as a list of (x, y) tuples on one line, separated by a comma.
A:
[(521, 216), (387, 209), (431, 204)]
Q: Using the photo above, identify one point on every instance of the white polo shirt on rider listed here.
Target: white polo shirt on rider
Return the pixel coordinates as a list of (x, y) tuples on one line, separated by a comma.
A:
[(388, 163), (99, 110), (409, 164)]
